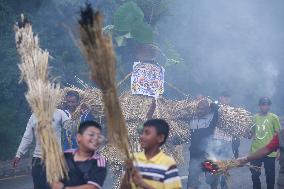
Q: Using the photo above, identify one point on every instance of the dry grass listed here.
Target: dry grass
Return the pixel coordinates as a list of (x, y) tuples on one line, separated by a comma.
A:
[(43, 97), (98, 51)]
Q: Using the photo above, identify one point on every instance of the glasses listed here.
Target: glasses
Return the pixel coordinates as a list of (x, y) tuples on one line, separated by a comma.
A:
[(98, 136)]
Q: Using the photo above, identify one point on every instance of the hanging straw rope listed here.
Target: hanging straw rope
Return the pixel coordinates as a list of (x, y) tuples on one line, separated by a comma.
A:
[(42, 96)]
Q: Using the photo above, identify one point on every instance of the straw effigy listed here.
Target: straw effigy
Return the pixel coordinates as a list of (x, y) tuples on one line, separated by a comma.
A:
[(43, 97)]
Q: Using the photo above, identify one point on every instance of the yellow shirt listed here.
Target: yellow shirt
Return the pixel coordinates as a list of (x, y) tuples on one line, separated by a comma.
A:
[(160, 172)]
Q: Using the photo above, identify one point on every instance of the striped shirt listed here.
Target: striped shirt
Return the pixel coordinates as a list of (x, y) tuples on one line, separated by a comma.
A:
[(160, 171)]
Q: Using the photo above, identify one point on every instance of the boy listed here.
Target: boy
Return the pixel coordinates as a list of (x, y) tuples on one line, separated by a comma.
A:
[(276, 143), (87, 169), (266, 124), (156, 169)]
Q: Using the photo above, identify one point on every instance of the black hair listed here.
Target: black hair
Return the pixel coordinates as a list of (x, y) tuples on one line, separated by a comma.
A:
[(264, 100), (161, 126), (86, 124), (73, 93)]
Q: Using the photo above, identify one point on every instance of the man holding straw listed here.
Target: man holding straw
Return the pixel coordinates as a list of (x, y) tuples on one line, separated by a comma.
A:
[(38, 168)]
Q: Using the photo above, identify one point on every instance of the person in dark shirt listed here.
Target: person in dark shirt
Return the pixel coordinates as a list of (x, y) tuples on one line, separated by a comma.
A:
[(202, 129), (86, 168)]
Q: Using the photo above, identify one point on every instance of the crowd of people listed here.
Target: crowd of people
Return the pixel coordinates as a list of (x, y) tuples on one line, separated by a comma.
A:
[(153, 168)]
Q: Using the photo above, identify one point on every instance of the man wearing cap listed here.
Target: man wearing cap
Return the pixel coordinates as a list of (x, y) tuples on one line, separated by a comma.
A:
[(266, 125)]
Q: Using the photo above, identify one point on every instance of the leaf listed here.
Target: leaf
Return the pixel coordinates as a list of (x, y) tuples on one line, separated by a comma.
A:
[(120, 40), (127, 15), (142, 32), (171, 54)]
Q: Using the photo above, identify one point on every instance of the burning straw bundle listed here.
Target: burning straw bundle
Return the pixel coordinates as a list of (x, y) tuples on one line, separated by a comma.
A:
[(42, 96), (219, 167), (99, 53)]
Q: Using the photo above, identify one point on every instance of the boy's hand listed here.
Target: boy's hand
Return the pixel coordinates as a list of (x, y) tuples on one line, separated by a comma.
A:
[(57, 185), (137, 179), (15, 162)]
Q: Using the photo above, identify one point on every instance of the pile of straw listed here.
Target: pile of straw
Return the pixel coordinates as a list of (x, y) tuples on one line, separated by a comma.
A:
[(135, 107), (42, 96)]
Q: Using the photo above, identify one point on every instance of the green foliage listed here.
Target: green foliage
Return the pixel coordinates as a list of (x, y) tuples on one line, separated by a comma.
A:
[(154, 9), (129, 18), (127, 15), (136, 19), (142, 32)]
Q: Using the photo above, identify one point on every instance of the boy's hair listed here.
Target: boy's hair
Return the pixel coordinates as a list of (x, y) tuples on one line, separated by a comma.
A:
[(161, 126), (73, 93), (264, 100), (86, 124)]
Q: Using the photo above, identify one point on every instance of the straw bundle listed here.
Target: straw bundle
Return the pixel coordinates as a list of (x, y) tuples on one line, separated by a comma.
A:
[(219, 166), (234, 121), (99, 53), (135, 107), (43, 98)]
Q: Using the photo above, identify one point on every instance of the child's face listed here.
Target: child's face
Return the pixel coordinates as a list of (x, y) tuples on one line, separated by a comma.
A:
[(264, 108), (150, 138), (90, 139)]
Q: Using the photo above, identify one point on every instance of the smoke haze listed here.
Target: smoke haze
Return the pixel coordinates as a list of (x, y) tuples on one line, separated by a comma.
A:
[(227, 45)]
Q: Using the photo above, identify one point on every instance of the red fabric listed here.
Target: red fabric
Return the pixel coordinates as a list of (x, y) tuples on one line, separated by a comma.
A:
[(274, 143)]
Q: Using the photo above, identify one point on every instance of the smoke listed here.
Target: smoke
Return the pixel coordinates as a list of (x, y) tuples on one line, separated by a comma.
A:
[(227, 45)]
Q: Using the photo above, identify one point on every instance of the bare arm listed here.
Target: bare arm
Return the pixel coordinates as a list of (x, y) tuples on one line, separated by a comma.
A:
[(27, 138), (257, 155)]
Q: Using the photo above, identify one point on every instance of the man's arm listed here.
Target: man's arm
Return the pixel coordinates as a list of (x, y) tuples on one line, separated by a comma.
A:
[(26, 141), (257, 155), (272, 146)]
